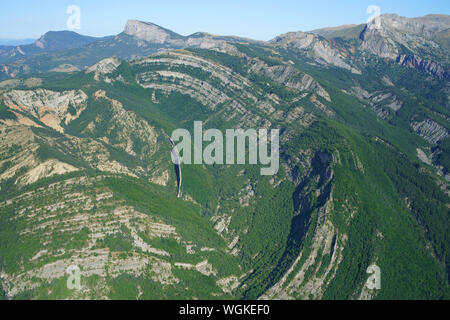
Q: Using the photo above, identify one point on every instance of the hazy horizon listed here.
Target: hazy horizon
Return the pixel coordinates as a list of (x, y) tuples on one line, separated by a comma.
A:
[(259, 20)]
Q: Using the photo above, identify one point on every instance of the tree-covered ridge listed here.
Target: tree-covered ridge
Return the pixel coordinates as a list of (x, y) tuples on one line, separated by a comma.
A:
[(350, 191)]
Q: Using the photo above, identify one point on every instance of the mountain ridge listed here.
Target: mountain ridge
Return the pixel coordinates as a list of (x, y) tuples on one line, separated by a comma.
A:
[(145, 38), (86, 176)]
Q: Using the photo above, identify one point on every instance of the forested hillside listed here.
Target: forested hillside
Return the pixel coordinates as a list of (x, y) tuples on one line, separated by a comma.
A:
[(86, 176)]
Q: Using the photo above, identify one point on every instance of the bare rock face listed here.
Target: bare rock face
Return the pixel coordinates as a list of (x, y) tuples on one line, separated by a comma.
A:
[(378, 43), (426, 66), (430, 130), (383, 100), (314, 47), (206, 41), (50, 107), (300, 40), (291, 78), (146, 31), (129, 129), (379, 101), (410, 42), (47, 169), (104, 66)]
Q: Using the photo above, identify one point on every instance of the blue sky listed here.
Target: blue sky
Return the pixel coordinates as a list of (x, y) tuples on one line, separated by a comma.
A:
[(258, 19)]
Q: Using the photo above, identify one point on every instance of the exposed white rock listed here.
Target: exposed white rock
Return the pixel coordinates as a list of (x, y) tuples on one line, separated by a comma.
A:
[(146, 31), (314, 47), (430, 130), (104, 66), (290, 77), (46, 169), (50, 107), (423, 156), (396, 37), (228, 284)]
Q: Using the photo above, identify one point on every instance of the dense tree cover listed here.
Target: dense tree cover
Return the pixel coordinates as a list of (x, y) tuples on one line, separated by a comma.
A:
[(425, 199), (5, 113), (443, 157), (16, 251), (387, 208)]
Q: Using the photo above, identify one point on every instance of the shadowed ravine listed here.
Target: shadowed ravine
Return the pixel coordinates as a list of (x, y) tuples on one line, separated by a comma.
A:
[(320, 178)]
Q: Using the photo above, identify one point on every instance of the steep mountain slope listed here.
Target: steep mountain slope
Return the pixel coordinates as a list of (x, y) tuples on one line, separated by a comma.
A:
[(420, 43), (51, 41), (350, 31), (68, 51), (86, 177), (411, 42)]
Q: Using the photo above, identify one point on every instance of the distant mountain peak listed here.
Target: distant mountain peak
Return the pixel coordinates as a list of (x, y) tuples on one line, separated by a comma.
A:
[(396, 35), (149, 32), (59, 40), (49, 36)]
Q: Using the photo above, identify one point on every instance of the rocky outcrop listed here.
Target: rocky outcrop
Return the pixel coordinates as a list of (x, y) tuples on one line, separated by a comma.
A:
[(46, 169), (295, 281), (125, 130), (290, 77), (147, 32), (426, 66), (222, 87), (52, 262), (104, 66), (380, 101), (410, 42), (375, 41), (430, 130), (49, 107), (314, 47)]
